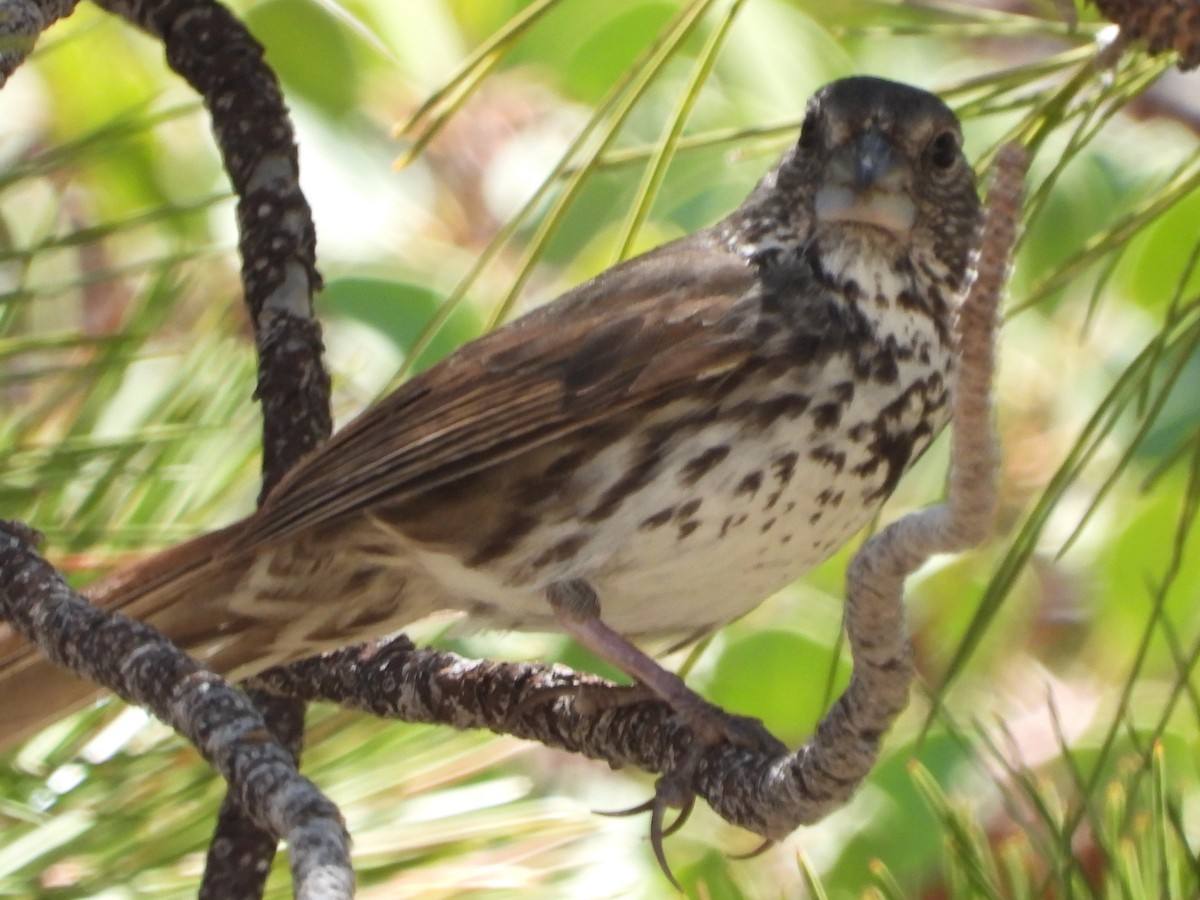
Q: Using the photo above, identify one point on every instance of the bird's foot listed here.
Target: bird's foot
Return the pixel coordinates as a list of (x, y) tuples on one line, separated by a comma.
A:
[(710, 726), (709, 723), (672, 789), (578, 610), (670, 792)]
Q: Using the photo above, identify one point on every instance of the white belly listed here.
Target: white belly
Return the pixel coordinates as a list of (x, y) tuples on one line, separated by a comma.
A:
[(782, 500), (689, 552)]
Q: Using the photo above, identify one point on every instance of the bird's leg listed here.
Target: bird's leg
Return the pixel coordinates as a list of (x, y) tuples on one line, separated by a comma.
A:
[(578, 610)]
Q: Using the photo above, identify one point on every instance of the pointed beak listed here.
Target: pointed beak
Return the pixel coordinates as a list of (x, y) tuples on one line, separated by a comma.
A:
[(872, 160), (865, 185)]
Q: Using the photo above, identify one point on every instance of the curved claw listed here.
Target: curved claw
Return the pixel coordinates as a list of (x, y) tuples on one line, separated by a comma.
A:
[(684, 811), (668, 793), (631, 811), (657, 810), (762, 848), (710, 725)]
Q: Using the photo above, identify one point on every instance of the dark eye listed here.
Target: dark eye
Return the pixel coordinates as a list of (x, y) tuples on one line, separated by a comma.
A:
[(943, 151), (810, 131)]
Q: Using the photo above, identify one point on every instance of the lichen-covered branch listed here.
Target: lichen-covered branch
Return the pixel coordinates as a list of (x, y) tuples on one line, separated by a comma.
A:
[(217, 56), (241, 849), (139, 664), (1165, 25), (393, 679), (21, 23)]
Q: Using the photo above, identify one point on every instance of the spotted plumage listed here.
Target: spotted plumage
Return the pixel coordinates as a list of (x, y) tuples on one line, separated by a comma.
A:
[(673, 441)]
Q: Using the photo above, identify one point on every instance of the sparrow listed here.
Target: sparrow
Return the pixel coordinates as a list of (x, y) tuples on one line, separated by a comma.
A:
[(652, 454)]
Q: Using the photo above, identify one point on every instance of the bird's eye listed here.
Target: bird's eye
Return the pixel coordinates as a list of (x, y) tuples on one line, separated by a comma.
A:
[(943, 151), (810, 134)]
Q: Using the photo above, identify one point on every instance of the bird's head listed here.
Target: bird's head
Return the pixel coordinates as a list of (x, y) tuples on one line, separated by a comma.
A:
[(881, 159)]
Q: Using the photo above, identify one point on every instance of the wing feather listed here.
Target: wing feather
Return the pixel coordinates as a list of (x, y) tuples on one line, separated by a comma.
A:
[(640, 329)]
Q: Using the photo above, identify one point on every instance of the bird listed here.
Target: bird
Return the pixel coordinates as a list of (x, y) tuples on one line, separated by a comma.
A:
[(652, 454)]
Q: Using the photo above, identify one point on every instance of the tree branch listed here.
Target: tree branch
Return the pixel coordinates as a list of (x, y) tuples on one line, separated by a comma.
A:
[(1165, 26), (143, 667), (21, 24), (217, 56)]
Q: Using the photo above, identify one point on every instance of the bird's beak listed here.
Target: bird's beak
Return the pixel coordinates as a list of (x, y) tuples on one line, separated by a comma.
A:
[(865, 185)]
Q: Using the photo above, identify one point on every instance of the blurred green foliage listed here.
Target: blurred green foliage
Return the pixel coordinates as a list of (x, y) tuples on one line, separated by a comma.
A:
[(1049, 678)]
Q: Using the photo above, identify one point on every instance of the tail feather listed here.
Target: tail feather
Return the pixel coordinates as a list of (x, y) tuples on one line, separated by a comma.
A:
[(237, 607)]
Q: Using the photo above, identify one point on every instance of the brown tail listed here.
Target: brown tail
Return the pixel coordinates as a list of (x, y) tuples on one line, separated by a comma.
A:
[(238, 606), (35, 693)]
